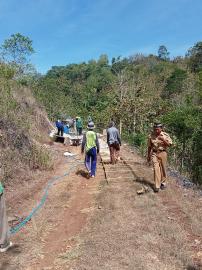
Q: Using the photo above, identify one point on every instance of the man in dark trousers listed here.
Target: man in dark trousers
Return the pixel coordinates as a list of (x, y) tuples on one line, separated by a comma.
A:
[(91, 146), (79, 125), (60, 127), (114, 142)]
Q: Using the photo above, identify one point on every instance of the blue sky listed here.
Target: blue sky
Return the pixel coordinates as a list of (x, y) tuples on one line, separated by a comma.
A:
[(72, 31)]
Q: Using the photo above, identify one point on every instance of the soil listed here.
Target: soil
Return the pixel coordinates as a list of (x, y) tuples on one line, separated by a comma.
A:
[(90, 224)]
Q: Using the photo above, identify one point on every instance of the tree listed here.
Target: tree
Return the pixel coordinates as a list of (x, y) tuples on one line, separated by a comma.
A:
[(197, 158), (16, 50), (133, 91), (103, 60), (185, 123), (174, 83), (194, 56), (163, 53)]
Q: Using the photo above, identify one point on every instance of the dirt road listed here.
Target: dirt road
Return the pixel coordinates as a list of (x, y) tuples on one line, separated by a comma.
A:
[(92, 224)]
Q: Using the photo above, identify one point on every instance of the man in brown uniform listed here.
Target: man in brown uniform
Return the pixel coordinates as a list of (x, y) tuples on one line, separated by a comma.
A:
[(158, 143)]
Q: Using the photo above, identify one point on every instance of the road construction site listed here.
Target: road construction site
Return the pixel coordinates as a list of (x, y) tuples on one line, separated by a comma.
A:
[(114, 221)]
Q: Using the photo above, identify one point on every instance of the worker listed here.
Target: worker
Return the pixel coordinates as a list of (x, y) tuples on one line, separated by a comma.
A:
[(60, 127), (89, 119), (5, 243), (66, 129), (158, 142), (91, 146), (114, 142), (79, 126), (71, 125)]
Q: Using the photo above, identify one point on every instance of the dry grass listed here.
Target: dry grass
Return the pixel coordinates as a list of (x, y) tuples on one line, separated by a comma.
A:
[(136, 232), (23, 127)]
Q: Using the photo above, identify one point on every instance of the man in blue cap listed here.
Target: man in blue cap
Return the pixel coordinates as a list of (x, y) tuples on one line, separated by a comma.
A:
[(91, 146)]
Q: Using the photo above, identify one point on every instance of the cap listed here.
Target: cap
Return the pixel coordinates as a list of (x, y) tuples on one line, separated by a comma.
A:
[(158, 125), (91, 125)]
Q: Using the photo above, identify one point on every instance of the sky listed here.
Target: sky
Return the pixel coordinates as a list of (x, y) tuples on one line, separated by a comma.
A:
[(74, 31)]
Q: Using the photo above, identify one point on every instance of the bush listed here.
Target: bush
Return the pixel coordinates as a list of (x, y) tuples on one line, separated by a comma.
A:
[(138, 139), (40, 158), (6, 71), (197, 158)]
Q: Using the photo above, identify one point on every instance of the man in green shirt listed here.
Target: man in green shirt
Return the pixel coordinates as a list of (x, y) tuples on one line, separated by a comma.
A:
[(79, 125), (90, 144)]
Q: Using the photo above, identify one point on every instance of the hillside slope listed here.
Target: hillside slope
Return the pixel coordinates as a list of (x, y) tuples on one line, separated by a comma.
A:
[(24, 128)]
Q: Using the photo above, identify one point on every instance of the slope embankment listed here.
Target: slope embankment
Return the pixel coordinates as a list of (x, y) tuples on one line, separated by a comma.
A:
[(24, 128)]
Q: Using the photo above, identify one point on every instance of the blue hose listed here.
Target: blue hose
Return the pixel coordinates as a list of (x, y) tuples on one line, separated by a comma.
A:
[(52, 181)]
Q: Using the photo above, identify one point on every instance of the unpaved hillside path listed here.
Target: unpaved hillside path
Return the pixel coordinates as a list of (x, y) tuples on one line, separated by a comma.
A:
[(89, 224)]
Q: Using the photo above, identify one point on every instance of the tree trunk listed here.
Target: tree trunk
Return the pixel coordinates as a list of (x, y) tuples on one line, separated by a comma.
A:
[(120, 127), (134, 122)]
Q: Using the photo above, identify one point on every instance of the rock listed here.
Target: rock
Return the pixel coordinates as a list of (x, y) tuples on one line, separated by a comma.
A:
[(199, 254), (41, 256), (171, 218), (197, 242), (141, 191)]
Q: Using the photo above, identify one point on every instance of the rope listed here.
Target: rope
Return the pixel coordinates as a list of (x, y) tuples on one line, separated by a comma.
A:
[(34, 211)]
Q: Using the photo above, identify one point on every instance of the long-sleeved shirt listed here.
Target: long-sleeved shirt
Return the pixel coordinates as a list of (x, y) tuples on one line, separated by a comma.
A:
[(79, 123), (90, 140), (113, 136), (59, 124), (158, 145)]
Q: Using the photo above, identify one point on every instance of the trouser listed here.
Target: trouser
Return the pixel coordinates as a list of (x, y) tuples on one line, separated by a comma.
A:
[(79, 131), (60, 130), (4, 229), (91, 160), (114, 152), (159, 161)]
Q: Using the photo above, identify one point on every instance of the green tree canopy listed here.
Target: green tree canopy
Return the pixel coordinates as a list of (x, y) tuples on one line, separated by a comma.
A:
[(163, 53), (16, 50), (194, 55)]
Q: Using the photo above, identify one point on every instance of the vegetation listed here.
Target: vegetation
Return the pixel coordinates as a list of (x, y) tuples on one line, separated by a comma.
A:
[(135, 92), (163, 53), (23, 128), (15, 52)]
